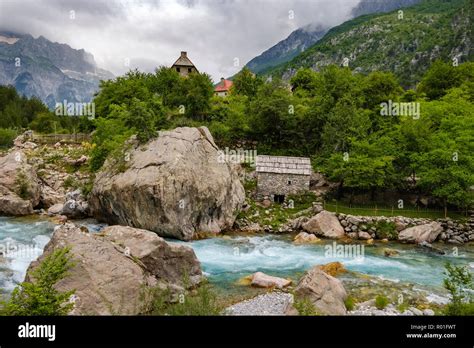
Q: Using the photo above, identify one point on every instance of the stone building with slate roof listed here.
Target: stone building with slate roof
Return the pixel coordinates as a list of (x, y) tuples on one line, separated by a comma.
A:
[(183, 65), (280, 176)]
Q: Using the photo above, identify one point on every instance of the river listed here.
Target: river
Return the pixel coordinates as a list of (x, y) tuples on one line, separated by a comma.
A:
[(227, 259)]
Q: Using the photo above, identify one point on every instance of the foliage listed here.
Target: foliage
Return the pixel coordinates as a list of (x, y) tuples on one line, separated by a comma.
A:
[(381, 302), (7, 135), (386, 229), (349, 303), (40, 297), (22, 185), (432, 28), (460, 285), (305, 307), (246, 83), (202, 302)]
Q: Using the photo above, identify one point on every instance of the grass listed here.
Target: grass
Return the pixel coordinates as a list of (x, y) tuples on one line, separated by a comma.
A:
[(410, 212), (201, 302)]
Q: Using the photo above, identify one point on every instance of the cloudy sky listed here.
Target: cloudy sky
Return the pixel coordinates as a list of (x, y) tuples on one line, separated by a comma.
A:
[(216, 33)]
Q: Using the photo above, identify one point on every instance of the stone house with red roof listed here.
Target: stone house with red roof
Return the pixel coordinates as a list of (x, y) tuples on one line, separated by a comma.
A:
[(223, 88)]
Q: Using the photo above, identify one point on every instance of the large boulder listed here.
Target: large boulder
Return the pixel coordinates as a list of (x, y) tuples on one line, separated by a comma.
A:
[(326, 293), (324, 224), (421, 233), (177, 185), (19, 189), (114, 270), (175, 263)]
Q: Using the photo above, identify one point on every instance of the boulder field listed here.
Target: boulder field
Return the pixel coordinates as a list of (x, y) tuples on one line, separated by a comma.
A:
[(175, 185)]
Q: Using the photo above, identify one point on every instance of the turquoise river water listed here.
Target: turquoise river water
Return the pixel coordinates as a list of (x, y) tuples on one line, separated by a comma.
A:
[(227, 259)]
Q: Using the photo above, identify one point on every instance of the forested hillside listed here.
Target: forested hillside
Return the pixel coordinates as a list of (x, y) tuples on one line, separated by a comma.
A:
[(404, 43)]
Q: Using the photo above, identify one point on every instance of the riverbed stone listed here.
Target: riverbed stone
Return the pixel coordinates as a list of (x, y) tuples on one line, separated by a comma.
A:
[(421, 233), (325, 292), (263, 280), (324, 224), (305, 238)]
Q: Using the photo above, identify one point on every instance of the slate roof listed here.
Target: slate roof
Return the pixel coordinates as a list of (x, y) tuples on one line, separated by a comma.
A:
[(284, 165), (183, 60)]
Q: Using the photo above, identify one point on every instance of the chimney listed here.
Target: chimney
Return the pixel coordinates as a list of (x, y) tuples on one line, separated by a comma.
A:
[(222, 81), (184, 54)]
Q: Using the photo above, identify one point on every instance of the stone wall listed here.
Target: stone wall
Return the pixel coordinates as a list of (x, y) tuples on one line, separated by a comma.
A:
[(278, 184), (453, 231)]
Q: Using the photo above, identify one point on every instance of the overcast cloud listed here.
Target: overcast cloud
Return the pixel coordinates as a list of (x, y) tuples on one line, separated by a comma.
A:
[(152, 33)]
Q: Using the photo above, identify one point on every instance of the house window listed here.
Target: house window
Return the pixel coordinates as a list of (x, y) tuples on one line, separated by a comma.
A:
[(178, 69), (190, 70), (289, 182)]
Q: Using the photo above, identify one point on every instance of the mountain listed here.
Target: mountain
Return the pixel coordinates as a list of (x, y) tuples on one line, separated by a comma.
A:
[(288, 48), (304, 37), (431, 30), (380, 6), (51, 71)]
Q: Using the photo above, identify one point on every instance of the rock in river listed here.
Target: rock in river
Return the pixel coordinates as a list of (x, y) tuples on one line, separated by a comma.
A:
[(177, 185), (324, 224), (113, 269), (421, 233), (263, 280)]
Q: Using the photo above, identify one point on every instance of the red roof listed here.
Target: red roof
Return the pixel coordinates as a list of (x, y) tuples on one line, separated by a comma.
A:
[(223, 86)]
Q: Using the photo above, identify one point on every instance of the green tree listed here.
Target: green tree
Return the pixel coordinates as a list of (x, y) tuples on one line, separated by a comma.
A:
[(121, 90), (246, 83), (40, 297), (441, 77), (198, 93), (459, 283)]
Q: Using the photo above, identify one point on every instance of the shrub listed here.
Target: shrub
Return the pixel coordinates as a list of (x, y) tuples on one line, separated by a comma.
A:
[(71, 183), (7, 136), (349, 303), (460, 286), (305, 307), (386, 229), (39, 297), (22, 186), (202, 302), (381, 302)]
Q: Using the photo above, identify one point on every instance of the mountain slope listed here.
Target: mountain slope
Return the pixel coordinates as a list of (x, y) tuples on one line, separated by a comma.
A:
[(288, 48), (305, 37), (434, 29), (380, 6), (48, 70)]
